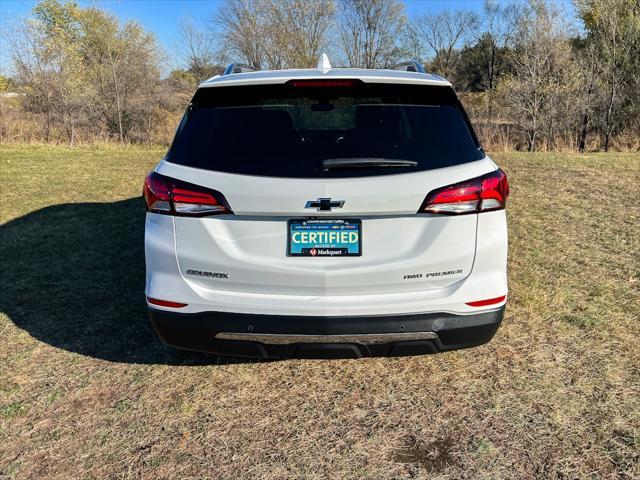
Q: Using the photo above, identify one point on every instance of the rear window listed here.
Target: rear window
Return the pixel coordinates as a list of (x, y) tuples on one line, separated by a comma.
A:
[(318, 132)]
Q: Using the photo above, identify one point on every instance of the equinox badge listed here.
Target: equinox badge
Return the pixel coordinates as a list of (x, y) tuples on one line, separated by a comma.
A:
[(324, 204)]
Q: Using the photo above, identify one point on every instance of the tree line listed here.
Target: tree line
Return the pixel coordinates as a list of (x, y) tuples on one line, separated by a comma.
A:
[(530, 77)]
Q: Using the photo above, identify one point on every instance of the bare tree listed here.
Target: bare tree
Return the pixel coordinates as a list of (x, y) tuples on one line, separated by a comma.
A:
[(587, 59), (370, 31), (275, 33), (241, 27), (613, 28), (542, 90), (83, 71), (297, 30), (123, 62), (198, 50), (443, 34), (29, 72), (49, 66), (499, 21)]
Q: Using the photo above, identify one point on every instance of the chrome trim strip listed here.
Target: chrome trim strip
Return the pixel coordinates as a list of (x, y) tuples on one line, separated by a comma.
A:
[(364, 338)]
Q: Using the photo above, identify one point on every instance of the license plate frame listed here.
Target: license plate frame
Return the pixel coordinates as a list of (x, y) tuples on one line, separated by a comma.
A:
[(322, 251)]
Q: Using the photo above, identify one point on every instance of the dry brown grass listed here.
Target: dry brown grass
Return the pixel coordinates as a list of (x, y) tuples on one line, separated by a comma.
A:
[(92, 394)]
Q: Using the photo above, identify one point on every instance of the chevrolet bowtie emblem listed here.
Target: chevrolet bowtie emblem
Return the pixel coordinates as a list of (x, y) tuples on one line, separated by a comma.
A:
[(324, 204)]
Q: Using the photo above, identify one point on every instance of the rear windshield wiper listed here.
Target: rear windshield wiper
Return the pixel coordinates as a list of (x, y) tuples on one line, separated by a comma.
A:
[(334, 163)]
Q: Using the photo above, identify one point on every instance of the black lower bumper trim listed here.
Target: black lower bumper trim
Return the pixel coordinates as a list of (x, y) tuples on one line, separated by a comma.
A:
[(197, 331)]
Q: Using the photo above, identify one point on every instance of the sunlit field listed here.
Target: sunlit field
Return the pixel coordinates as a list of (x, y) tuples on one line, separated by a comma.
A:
[(87, 390)]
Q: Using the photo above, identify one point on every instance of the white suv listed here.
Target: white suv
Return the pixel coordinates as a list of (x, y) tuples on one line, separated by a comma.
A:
[(325, 212)]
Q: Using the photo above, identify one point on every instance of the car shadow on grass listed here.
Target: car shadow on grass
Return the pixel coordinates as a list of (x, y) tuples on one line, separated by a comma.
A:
[(73, 276)]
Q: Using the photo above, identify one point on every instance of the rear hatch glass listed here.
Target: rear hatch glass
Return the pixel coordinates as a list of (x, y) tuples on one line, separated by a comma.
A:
[(324, 132)]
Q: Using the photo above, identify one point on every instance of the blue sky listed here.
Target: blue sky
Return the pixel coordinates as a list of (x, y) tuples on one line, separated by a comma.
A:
[(162, 17)]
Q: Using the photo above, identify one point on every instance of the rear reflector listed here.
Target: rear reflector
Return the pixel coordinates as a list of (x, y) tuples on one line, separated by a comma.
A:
[(169, 196), (481, 194), (165, 303), (489, 301), (323, 83)]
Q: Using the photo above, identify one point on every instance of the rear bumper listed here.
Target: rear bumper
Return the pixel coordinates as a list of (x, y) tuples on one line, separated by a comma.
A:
[(285, 336)]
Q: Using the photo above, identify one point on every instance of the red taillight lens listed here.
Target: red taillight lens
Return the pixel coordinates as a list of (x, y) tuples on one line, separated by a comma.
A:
[(167, 195), (481, 194), (495, 190), (157, 193)]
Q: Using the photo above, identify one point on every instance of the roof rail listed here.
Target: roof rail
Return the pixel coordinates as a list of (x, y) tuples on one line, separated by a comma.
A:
[(238, 68), (412, 66)]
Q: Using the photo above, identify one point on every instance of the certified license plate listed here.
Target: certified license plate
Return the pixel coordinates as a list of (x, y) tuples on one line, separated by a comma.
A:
[(324, 238)]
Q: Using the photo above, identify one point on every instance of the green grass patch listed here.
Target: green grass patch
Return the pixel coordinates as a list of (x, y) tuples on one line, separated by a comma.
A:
[(13, 409)]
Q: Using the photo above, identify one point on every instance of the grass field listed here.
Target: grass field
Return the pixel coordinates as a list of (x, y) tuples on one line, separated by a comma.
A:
[(87, 390)]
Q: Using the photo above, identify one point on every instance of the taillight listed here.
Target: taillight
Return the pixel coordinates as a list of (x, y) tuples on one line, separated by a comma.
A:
[(169, 196), (481, 194), (157, 193)]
